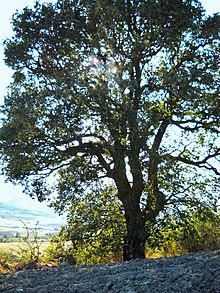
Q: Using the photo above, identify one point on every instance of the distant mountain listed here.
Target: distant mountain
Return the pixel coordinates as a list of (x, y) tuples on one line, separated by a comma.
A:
[(14, 214), (12, 210)]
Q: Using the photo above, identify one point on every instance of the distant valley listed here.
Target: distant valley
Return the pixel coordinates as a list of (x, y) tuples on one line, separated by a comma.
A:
[(14, 214)]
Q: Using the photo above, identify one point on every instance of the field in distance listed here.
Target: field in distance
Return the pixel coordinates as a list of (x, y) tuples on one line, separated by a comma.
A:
[(15, 215)]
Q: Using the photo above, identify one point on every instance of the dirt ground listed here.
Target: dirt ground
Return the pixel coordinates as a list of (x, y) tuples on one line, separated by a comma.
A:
[(190, 273)]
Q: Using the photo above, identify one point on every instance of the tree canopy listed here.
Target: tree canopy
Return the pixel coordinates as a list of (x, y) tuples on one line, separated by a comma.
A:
[(115, 92)]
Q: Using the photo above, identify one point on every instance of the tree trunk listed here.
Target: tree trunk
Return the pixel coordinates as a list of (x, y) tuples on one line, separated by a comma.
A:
[(134, 248), (134, 245)]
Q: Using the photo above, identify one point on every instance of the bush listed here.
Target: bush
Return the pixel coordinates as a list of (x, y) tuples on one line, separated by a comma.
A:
[(199, 232), (29, 248), (59, 250), (202, 232), (94, 231)]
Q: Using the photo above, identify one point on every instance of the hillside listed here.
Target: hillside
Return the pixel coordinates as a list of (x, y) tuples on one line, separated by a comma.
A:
[(13, 213)]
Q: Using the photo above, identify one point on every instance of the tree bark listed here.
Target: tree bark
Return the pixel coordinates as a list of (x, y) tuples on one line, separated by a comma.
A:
[(134, 244)]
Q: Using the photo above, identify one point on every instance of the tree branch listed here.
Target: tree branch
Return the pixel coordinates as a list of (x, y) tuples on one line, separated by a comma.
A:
[(200, 163)]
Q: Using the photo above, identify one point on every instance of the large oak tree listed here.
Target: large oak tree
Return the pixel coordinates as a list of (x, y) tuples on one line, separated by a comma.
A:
[(115, 91)]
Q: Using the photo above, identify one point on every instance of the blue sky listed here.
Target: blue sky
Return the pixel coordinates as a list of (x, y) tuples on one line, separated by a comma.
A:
[(8, 191)]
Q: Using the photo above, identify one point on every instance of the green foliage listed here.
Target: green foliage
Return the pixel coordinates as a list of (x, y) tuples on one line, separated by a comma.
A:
[(95, 229), (126, 91), (59, 250), (80, 241), (198, 232), (4, 238), (202, 232)]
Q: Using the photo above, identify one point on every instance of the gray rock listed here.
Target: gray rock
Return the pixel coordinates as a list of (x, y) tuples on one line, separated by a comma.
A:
[(194, 273)]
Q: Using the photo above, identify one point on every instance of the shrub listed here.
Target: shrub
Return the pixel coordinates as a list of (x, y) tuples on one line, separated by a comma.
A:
[(59, 250), (29, 248)]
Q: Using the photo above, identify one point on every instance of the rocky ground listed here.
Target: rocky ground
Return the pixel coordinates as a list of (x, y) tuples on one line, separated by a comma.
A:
[(191, 273)]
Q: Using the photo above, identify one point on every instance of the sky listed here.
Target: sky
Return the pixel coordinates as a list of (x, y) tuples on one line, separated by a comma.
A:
[(8, 191)]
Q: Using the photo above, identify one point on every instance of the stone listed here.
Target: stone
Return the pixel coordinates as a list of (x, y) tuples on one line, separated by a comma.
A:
[(194, 273)]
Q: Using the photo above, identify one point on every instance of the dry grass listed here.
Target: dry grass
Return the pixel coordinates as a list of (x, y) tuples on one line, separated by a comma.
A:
[(13, 247), (9, 254)]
